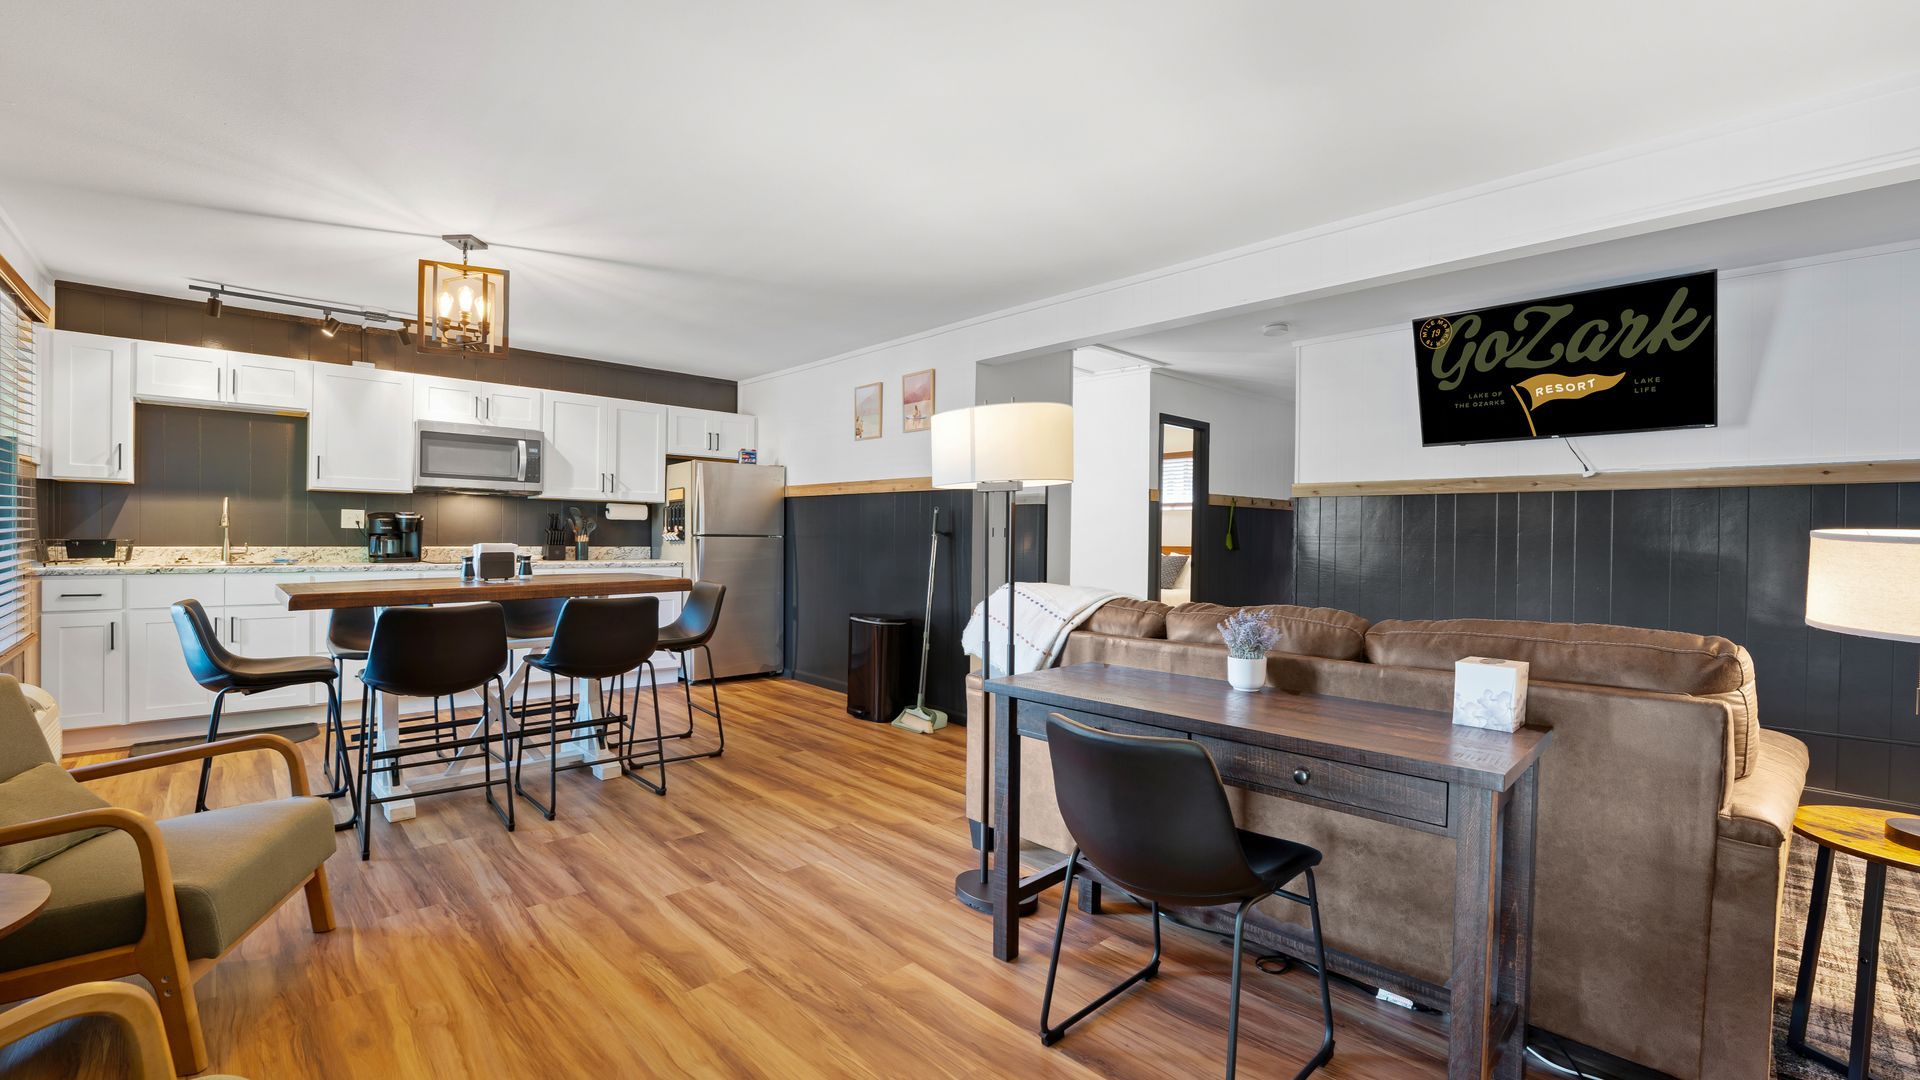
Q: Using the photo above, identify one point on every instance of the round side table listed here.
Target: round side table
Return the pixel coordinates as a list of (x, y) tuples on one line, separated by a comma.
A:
[(21, 898), (1862, 833)]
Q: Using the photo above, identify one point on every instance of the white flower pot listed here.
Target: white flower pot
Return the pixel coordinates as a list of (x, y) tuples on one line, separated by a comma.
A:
[(1247, 674)]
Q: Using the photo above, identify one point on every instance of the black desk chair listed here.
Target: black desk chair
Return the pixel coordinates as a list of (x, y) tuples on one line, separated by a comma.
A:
[(599, 639), (1150, 816), (699, 618), (435, 652), (530, 623), (223, 672)]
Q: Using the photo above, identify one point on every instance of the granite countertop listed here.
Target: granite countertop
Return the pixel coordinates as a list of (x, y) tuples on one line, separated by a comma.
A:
[(327, 560)]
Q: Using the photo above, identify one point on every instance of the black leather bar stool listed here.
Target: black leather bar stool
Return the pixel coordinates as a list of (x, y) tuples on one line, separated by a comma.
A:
[(223, 672), (699, 617), (349, 633), (1149, 816), (598, 639), (435, 652)]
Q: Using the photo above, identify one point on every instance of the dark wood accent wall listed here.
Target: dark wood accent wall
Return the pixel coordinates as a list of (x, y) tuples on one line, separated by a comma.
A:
[(186, 460), (1259, 570), (1728, 561), (867, 555), (94, 309)]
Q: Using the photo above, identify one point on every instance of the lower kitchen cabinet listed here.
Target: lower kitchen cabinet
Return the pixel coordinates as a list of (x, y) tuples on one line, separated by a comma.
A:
[(83, 664)]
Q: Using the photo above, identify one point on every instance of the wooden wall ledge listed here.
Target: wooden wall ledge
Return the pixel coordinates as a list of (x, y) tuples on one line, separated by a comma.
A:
[(1244, 502), (1857, 472), (861, 487)]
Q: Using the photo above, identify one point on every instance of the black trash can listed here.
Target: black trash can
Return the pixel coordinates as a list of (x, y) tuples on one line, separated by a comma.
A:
[(877, 655)]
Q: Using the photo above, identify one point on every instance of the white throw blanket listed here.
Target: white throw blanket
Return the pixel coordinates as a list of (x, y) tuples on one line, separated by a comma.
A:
[(1043, 615)]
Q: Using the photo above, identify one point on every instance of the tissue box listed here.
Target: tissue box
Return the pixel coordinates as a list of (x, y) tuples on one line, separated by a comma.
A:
[(1489, 693)]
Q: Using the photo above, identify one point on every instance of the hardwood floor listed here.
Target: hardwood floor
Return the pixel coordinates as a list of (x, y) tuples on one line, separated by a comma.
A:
[(786, 911)]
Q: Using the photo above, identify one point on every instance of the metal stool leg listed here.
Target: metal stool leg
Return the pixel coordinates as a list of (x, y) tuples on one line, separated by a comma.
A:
[(344, 785), (628, 766), (366, 773), (1050, 1034), (1325, 1053), (206, 764)]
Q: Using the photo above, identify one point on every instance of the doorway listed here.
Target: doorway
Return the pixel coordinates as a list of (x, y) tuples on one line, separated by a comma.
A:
[(1178, 513)]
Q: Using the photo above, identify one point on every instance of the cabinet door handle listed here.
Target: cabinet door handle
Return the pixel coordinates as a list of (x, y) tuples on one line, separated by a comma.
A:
[(79, 595), (316, 466), (613, 482), (112, 637), (119, 457), (217, 376)]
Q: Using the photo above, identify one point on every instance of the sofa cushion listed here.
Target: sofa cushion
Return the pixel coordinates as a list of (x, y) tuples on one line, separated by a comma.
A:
[(43, 791), (1304, 631), (1664, 661), (230, 867), (1130, 618)]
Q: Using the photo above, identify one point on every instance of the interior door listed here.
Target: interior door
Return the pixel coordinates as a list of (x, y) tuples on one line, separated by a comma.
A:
[(638, 463), (576, 443), (185, 373), (270, 382)]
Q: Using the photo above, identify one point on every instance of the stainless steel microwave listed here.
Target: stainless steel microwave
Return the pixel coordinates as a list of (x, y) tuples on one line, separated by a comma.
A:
[(476, 458)]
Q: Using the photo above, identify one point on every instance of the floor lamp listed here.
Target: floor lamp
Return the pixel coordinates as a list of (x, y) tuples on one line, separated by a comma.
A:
[(1001, 448), (1866, 582)]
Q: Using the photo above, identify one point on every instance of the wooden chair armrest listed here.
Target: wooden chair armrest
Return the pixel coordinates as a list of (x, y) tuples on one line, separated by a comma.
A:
[(296, 765), (156, 873), (133, 1009)]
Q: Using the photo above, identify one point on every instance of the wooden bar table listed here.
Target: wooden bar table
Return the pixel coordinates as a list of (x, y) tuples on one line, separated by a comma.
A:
[(391, 592), (1407, 767)]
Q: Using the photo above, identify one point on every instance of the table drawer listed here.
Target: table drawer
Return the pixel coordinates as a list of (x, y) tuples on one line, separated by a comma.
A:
[(1416, 798), (1033, 722), (81, 593)]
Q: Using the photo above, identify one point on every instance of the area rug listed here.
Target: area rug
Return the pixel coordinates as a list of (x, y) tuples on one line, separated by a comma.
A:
[(1896, 1030), (292, 732)]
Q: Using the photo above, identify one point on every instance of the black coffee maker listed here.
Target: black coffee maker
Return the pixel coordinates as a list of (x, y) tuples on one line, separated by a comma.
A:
[(393, 536)]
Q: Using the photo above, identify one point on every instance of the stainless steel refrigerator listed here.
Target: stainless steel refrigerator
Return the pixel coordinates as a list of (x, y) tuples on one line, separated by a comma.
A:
[(724, 522)]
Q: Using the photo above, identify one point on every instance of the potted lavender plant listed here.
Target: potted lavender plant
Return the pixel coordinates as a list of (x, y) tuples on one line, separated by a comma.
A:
[(1248, 635)]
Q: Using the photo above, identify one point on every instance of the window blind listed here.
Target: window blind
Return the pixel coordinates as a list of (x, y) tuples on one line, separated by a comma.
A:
[(17, 437), (1176, 480)]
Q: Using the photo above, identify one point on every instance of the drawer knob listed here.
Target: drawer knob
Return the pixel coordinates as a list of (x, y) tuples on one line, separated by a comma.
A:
[(1301, 776)]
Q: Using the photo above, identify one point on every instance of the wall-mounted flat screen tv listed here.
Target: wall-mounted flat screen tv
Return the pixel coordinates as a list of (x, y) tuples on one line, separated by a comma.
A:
[(1639, 357)]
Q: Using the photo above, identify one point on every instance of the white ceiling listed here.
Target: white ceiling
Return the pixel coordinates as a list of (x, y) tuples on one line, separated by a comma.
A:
[(736, 186), (1236, 351)]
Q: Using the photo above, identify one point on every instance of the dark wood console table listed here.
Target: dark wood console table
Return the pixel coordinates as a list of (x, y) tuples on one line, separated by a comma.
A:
[(1406, 767)]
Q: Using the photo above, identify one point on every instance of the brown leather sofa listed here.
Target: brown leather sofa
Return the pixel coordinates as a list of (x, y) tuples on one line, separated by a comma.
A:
[(1664, 816)]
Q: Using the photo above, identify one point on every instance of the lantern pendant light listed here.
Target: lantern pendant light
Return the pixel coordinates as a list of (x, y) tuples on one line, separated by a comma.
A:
[(463, 308)]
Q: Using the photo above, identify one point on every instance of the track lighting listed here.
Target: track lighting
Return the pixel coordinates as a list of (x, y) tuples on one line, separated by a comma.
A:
[(214, 304), (331, 326)]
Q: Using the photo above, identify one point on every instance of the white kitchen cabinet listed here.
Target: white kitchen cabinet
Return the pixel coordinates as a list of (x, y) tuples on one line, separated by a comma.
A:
[(216, 378), (158, 685), (637, 454), (87, 425), (269, 630), (705, 433), (462, 401), (268, 383), (83, 665), (360, 434), (578, 430), (187, 374)]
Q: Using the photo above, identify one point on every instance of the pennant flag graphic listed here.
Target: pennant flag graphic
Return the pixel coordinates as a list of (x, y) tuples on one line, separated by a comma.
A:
[(1542, 389)]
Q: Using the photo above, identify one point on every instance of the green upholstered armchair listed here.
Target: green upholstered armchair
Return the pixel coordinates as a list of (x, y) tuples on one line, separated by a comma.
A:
[(132, 896)]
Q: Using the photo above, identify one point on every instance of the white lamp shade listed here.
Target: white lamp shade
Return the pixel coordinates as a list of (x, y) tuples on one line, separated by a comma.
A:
[(1024, 442), (1865, 582)]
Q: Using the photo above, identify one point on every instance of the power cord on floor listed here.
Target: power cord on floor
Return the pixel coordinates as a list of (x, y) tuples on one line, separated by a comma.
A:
[(1571, 1068)]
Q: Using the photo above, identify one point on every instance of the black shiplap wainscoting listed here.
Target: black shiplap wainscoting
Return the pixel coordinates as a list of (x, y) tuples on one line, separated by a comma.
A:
[(1259, 570), (867, 554), (1727, 561)]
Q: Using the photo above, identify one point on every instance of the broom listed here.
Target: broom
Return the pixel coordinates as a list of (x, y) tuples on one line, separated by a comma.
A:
[(918, 717)]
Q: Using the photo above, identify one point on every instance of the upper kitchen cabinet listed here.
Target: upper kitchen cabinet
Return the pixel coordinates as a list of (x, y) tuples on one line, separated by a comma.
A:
[(360, 434), (578, 433), (704, 433), (87, 424), (604, 449), (637, 457), (461, 401), (218, 378)]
